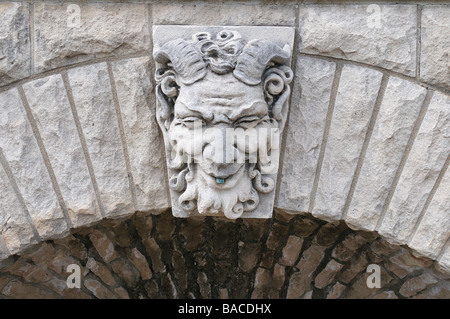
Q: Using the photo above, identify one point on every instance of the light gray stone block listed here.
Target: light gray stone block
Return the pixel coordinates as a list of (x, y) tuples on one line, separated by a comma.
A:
[(223, 14), (66, 35), (25, 160), (95, 107), (444, 261), (314, 79), (15, 230), (144, 141), (14, 42), (426, 159), (50, 106), (356, 95), (358, 33), (398, 112), (434, 228), (435, 46)]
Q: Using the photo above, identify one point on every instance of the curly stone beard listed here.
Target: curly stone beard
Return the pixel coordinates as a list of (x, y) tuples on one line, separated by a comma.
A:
[(232, 202)]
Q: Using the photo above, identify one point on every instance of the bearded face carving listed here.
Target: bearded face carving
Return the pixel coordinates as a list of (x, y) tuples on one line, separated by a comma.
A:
[(222, 104)]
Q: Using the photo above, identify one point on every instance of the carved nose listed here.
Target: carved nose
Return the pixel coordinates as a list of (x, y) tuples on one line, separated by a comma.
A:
[(221, 150)]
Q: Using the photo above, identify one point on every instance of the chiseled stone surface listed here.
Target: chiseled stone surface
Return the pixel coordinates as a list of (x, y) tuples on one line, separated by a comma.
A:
[(444, 261), (352, 32), (425, 161), (435, 46), (398, 113), (144, 142), (27, 165), (434, 228), (355, 100), (95, 107), (50, 106), (223, 14), (307, 115), (63, 37), (15, 230), (15, 58)]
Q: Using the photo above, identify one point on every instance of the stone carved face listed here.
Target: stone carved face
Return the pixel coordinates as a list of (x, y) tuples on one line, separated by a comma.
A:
[(222, 104)]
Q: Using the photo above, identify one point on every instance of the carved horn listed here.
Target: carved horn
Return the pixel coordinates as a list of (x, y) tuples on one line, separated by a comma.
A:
[(254, 59), (187, 62)]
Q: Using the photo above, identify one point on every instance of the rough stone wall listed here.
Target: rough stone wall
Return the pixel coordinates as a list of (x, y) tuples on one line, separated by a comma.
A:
[(367, 139), (159, 256)]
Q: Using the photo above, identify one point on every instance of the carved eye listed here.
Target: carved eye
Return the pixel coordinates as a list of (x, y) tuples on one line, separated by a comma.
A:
[(248, 122), (192, 122)]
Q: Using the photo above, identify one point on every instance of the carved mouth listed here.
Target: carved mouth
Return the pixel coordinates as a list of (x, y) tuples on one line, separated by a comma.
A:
[(223, 181)]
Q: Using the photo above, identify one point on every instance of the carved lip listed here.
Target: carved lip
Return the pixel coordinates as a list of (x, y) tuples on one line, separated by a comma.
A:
[(230, 180)]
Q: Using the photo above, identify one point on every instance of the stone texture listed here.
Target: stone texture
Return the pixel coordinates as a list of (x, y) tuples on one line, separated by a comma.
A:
[(326, 276), (435, 46), (300, 281), (27, 165), (180, 270), (103, 245), (329, 233), (101, 271), (357, 265), (398, 112), (416, 284), (291, 251), (95, 107), (346, 248), (223, 14), (262, 281), (434, 228), (72, 245), (98, 289), (356, 95), (20, 290), (104, 29), (336, 291), (60, 287), (50, 107), (248, 255), (444, 260), (155, 254), (144, 142), (16, 232), (126, 271), (304, 227), (348, 32), (438, 292), (359, 289), (199, 274), (276, 239), (403, 263), (385, 295), (141, 264), (205, 287), (312, 89), (426, 159), (15, 62), (190, 232)]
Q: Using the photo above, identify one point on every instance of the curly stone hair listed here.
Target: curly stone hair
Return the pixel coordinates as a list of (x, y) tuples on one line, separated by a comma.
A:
[(256, 62)]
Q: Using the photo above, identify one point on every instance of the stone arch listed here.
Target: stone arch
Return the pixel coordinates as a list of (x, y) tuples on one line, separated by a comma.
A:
[(79, 142), (81, 145)]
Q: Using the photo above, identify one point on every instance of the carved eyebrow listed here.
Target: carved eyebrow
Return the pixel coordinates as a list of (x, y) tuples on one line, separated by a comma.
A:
[(249, 111), (196, 111)]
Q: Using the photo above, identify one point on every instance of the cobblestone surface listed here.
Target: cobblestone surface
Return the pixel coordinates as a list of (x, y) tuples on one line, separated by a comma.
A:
[(159, 256)]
